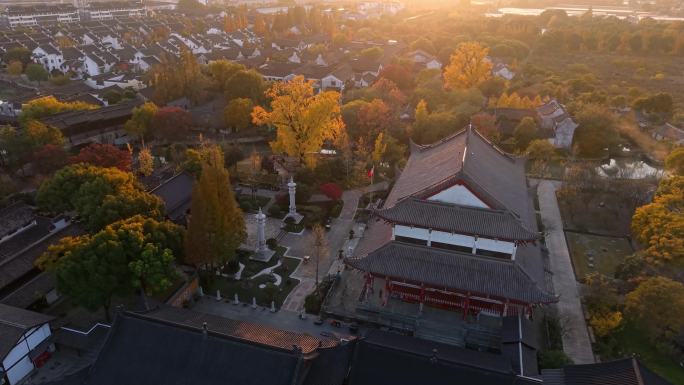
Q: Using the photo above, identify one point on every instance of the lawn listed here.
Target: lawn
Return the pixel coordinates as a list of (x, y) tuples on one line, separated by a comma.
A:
[(597, 212), (248, 288), (632, 341), (252, 203), (608, 253)]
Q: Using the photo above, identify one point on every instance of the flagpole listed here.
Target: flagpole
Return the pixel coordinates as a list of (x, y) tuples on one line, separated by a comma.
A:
[(371, 184)]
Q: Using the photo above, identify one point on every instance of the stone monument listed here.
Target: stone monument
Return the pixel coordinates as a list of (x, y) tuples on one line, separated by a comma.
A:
[(261, 252), (292, 190)]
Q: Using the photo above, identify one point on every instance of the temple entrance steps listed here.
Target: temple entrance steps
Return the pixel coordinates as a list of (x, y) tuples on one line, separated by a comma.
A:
[(483, 338), (388, 319), (454, 334)]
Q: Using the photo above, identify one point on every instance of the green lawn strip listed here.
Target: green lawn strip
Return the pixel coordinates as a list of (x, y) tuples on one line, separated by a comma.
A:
[(608, 253), (249, 203), (248, 288), (633, 341)]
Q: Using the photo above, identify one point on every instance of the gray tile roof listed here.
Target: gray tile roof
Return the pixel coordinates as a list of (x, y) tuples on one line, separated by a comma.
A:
[(13, 323), (497, 224), (23, 261), (167, 346), (457, 271), (428, 166), (31, 291), (176, 193), (388, 358), (499, 177), (628, 371)]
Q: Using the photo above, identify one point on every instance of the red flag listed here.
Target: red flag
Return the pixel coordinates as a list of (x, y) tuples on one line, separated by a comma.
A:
[(371, 172)]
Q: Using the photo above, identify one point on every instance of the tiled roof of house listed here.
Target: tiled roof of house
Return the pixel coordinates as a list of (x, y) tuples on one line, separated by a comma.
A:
[(176, 194), (628, 371), (246, 331), (388, 358), (168, 346), (497, 224), (14, 322), (458, 271), (443, 159)]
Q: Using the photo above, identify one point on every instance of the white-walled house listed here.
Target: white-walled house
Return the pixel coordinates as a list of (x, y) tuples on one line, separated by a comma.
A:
[(48, 56), (93, 65), (421, 57), (25, 343)]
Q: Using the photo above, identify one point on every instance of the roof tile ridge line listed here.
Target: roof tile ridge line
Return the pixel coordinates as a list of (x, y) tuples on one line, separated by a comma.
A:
[(443, 359), (637, 371), (150, 317), (422, 191), (25, 249), (176, 175), (107, 341), (448, 138), (469, 178)]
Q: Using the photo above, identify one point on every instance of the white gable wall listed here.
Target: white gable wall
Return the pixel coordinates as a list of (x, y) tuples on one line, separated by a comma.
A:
[(468, 241), (458, 194)]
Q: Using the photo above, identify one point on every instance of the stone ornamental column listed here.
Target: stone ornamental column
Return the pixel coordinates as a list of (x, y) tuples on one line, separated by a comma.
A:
[(292, 188), (261, 231)]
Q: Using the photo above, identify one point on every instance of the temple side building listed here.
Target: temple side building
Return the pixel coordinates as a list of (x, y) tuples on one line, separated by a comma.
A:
[(454, 254)]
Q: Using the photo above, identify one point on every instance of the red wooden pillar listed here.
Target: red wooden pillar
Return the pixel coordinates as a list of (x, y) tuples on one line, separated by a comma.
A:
[(504, 309), (467, 305), (422, 297), (388, 291)]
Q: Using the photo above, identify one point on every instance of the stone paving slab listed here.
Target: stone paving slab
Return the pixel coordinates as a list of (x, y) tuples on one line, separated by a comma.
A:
[(576, 342)]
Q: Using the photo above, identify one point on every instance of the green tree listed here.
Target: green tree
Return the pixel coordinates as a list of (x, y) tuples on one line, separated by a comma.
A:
[(141, 120), (246, 84), (657, 306), (36, 73), (675, 161), (237, 113), (136, 253), (540, 152), (20, 54), (15, 147), (216, 226), (430, 127), (19, 145), (112, 97), (15, 68), (222, 70), (596, 131), (100, 196), (525, 132)]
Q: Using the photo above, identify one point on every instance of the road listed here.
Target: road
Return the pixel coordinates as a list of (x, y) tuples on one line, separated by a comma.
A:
[(338, 237), (576, 342)]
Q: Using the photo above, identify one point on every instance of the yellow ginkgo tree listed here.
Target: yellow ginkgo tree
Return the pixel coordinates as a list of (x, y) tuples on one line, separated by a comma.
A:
[(469, 66), (303, 119)]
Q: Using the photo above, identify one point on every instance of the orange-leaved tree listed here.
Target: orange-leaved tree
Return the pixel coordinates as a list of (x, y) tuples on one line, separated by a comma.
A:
[(469, 66)]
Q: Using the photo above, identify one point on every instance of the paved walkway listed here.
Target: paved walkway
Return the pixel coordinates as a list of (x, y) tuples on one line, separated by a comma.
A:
[(282, 319), (338, 239), (576, 342)]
